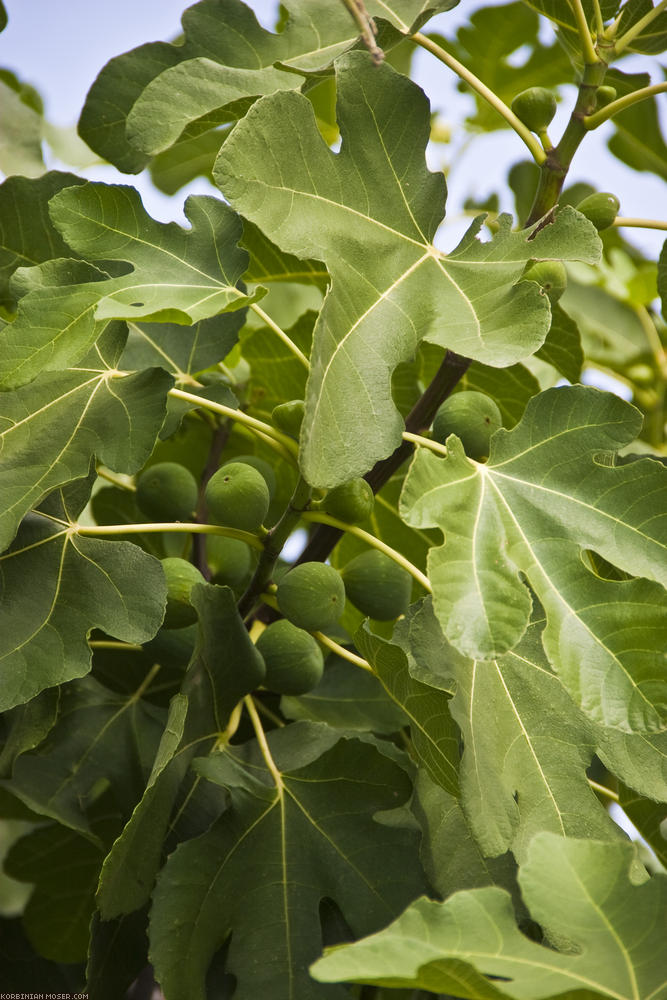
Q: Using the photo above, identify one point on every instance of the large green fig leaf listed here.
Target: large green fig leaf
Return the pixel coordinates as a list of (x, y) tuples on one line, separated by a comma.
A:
[(211, 688), (262, 870), (50, 429), (225, 61), (175, 275), (101, 738), (20, 127), (638, 139), (27, 235), (549, 492), (56, 587), (470, 946), (370, 213)]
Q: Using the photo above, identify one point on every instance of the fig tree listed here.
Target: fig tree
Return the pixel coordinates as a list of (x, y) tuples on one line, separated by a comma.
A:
[(167, 491), (352, 501), (262, 466), (312, 596), (376, 585), (550, 275), (237, 496), (294, 661), (535, 107), (473, 417), (181, 576), (600, 208), (288, 417)]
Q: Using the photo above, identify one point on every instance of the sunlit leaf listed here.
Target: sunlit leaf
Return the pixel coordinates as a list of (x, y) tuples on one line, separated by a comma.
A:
[(370, 212), (550, 488), (470, 945)]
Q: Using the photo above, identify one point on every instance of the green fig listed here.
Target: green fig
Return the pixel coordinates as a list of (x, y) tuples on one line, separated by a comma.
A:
[(181, 576), (600, 208), (550, 275), (167, 491), (262, 466), (294, 661), (351, 502), (237, 496), (473, 417), (535, 107), (312, 596), (288, 417), (229, 559), (377, 585)]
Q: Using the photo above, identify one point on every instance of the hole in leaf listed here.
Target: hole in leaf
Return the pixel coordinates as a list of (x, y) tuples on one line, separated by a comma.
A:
[(603, 569)]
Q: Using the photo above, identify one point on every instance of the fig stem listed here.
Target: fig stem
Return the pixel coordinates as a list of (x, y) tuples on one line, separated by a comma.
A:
[(272, 545), (485, 92), (289, 343), (285, 444), (96, 530), (590, 54), (263, 744), (366, 536), (622, 220), (604, 114), (341, 651)]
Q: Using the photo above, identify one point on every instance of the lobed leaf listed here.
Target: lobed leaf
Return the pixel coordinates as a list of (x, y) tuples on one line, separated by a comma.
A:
[(549, 491), (470, 945), (370, 213)]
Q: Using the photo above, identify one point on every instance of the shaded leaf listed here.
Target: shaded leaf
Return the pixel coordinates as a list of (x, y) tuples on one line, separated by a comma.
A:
[(101, 738), (182, 350), (471, 946), (562, 348), (649, 818), (662, 277), (611, 332), (370, 212), (118, 953), (263, 868), (20, 129), (211, 688), (653, 38), (488, 42), (638, 139), (432, 730), (83, 583), (550, 489), (24, 727), (276, 374), (64, 867)]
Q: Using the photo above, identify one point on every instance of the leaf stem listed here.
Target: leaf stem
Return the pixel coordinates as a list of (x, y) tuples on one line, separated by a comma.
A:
[(125, 647), (622, 220), (366, 536), (637, 28), (287, 443), (232, 725), (599, 21), (101, 530), (263, 744), (485, 92), (273, 544), (598, 117), (367, 28), (423, 442), (590, 55), (603, 790), (281, 333), (341, 651), (117, 478)]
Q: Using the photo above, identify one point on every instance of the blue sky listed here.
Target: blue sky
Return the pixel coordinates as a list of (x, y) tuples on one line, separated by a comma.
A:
[(60, 46)]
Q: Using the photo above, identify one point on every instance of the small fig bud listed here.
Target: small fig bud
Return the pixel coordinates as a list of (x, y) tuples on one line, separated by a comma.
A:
[(600, 208)]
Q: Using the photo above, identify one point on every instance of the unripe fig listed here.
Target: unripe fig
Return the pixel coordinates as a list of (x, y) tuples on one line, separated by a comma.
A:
[(181, 576), (377, 585), (352, 501), (605, 95), (535, 107), (229, 559), (473, 417), (550, 275), (294, 661), (312, 596), (641, 374), (167, 491), (288, 417), (262, 466), (600, 208), (237, 496)]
